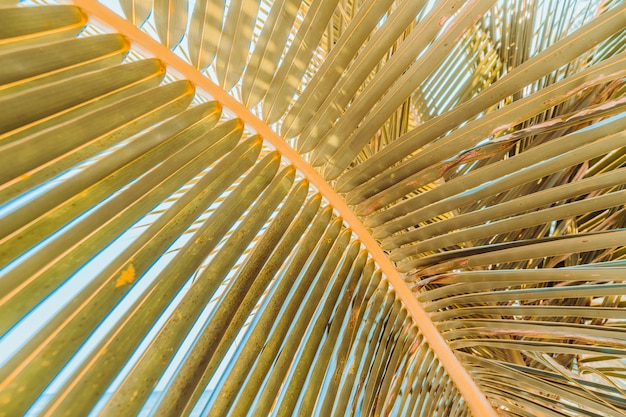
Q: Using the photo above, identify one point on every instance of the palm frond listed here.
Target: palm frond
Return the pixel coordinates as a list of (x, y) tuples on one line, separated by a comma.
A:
[(438, 231)]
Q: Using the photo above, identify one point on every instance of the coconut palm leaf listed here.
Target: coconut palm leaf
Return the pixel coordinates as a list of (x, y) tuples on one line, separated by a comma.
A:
[(399, 207)]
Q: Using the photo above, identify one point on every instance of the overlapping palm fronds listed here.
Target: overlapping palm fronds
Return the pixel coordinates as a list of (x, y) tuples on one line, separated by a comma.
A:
[(159, 256)]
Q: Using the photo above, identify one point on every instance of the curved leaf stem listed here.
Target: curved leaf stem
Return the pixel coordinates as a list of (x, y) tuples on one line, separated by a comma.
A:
[(473, 396)]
